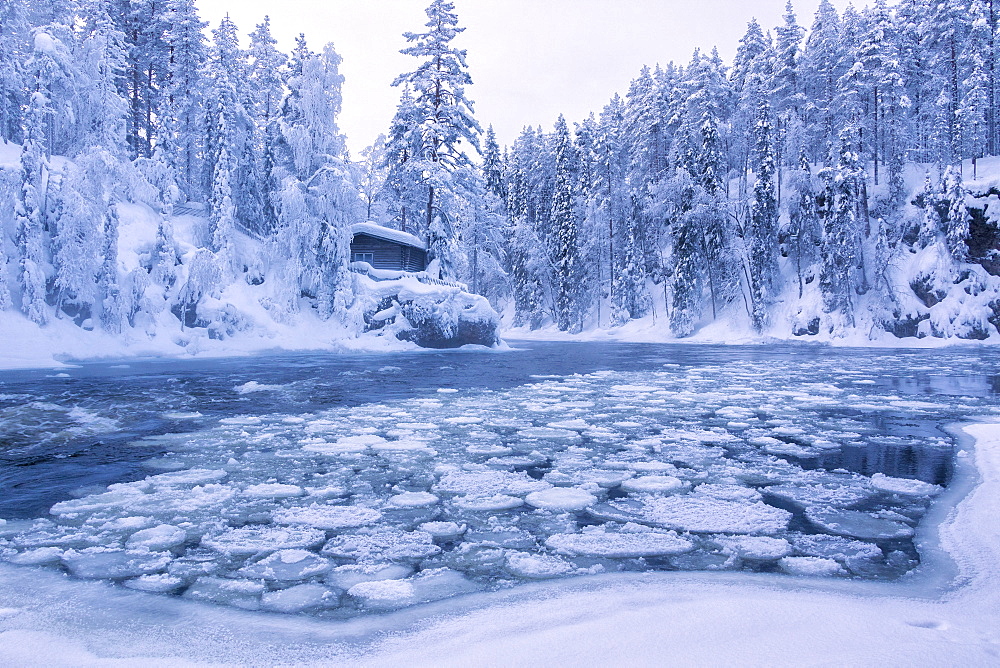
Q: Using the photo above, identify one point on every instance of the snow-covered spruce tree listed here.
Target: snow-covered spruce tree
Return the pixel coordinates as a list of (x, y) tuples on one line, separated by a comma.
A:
[(786, 85), (266, 91), (761, 233), (527, 261), (820, 68), (182, 134), (15, 37), (401, 162), (446, 124), (564, 216), (234, 192), (841, 274), (317, 200), (76, 247), (112, 302), (957, 225), (102, 60), (803, 234), (29, 211), (143, 23)]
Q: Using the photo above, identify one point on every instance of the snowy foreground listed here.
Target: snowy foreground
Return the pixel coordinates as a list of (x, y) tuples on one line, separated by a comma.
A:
[(946, 613)]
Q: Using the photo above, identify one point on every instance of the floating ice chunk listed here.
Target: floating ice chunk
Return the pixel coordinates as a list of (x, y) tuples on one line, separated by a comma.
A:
[(492, 502), (696, 513), (416, 446), (813, 566), (533, 459), (300, 598), (188, 477), (489, 450), (108, 564), (464, 419), (251, 540), (37, 557), (328, 517), (602, 477), (237, 593), (413, 500), (576, 424), (649, 467), (345, 445), (654, 484), (485, 483), (903, 486), (729, 492), (241, 420), (416, 426), (254, 386), (822, 494), (443, 530), (381, 544), (549, 434), (517, 539), (161, 537), (158, 583), (786, 449), (273, 490), (287, 565), (755, 548), (836, 547), (446, 390), (634, 388), (537, 566), (347, 576), (182, 415), (384, 594), (618, 545), (857, 524), (561, 499)]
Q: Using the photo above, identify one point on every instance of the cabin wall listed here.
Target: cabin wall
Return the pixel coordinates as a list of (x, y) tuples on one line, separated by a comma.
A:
[(383, 254)]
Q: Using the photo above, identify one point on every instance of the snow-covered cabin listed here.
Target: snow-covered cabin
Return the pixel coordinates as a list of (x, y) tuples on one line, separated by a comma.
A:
[(386, 248)]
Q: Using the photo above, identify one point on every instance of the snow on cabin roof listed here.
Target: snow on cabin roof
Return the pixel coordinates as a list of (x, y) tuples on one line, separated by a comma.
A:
[(379, 232)]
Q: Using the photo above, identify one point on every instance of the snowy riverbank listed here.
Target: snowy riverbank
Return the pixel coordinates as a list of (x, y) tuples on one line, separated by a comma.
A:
[(947, 613)]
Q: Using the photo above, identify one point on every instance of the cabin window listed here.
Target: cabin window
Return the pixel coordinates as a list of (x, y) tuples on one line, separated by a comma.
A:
[(364, 257)]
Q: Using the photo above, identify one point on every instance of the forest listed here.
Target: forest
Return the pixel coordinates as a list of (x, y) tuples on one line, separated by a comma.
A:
[(834, 180)]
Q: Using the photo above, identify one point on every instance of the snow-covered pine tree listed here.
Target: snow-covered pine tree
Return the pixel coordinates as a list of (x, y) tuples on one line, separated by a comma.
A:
[(446, 123)]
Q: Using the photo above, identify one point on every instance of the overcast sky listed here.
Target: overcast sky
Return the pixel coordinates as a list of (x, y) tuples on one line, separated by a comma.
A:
[(530, 60)]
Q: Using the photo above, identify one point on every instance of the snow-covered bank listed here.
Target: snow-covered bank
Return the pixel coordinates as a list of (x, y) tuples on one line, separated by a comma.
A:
[(647, 619), (654, 329)]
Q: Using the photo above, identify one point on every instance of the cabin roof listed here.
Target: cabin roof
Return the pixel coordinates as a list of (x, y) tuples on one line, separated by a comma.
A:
[(388, 234)]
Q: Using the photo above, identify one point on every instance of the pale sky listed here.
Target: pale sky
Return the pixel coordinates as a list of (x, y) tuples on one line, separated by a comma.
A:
[(530, 60)]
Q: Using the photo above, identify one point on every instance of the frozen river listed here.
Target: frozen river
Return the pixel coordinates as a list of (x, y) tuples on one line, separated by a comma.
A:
[(337, 485)]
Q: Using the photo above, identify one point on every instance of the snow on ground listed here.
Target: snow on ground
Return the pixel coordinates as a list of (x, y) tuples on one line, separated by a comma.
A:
[(946, 613)]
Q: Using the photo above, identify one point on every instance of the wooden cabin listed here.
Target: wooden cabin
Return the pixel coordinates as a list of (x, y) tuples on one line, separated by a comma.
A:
[(385, 248)]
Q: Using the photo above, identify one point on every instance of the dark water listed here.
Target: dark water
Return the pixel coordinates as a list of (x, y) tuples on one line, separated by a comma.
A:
[(60, 433)]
